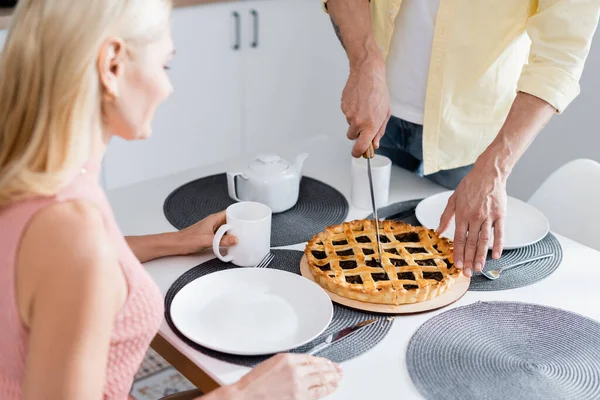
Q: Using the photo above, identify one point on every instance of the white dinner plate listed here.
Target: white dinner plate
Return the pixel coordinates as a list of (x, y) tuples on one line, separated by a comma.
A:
[(524, 224), (251, 311)]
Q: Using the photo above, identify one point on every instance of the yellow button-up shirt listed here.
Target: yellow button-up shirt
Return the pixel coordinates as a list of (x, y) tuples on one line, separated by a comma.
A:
[(484, 52)]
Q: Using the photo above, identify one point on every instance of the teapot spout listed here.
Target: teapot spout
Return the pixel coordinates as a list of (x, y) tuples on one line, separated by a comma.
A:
[(299, 163)]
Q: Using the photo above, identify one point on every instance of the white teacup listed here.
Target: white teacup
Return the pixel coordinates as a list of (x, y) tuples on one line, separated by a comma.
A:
[(381, 169), (250, 223)]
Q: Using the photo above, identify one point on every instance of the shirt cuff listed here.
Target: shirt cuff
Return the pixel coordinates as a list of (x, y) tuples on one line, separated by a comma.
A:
[(550, 84)]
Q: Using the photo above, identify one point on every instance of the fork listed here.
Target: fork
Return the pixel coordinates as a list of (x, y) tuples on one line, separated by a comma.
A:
[(495, 273), (264, 263)]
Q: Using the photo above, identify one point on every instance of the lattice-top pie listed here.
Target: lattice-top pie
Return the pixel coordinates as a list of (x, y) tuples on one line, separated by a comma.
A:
[(416, 264)]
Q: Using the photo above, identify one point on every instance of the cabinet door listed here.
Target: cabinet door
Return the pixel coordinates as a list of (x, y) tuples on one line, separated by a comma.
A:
[(294, 76), (201, 122)]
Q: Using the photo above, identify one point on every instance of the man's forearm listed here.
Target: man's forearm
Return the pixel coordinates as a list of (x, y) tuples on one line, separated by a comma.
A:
[(352, 23), (526, 118)]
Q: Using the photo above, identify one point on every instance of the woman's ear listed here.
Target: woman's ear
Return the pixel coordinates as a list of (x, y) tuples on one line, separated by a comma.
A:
[(111, 60)]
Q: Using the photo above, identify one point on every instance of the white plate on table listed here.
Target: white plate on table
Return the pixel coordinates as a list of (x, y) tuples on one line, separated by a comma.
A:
[(524, 224), (251, 311)]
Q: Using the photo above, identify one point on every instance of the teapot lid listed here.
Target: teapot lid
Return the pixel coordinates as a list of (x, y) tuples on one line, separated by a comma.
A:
[(269, 164)]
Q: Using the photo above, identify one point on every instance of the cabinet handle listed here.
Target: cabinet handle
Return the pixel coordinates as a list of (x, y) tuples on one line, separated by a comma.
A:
[(236, 17), (254, 14)]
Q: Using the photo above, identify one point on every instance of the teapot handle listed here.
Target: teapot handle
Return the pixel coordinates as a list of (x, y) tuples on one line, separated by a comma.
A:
[(231, 185)]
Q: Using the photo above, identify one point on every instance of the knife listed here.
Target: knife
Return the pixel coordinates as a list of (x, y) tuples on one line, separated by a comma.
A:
[(339, 335), (368, 155)]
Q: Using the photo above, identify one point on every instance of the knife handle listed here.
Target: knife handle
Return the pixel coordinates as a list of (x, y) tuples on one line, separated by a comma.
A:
[(370, 153)]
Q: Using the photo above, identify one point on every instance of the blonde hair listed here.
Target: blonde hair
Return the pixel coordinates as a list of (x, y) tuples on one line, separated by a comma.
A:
[(50, 93)]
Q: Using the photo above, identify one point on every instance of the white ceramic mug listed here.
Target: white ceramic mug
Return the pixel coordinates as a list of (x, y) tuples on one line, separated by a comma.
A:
[(250, 223), (381, 169)]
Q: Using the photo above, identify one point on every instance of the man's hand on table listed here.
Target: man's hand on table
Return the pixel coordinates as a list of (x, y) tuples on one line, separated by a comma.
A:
[(478, 205), (479, 201)]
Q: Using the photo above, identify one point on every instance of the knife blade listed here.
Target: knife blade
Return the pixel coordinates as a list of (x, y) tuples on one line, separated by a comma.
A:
[(368, 155), (339, 335)]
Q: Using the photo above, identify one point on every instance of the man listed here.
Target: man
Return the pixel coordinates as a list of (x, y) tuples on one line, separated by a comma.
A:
[(461, 88)]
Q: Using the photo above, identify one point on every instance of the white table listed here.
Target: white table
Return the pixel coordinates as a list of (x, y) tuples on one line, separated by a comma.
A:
[(138, 209)]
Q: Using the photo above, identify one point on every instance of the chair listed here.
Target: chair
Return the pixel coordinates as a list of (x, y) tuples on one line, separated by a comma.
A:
[(570, 199)]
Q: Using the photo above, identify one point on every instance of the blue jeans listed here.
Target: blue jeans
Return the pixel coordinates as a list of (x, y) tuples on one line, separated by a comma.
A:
[(403, 144)]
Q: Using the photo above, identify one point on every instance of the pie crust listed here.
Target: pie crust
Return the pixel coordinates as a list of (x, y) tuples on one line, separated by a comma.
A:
[(416, 264)]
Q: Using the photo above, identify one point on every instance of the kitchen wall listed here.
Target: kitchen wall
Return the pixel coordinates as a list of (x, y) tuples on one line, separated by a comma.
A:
[(282, 84)]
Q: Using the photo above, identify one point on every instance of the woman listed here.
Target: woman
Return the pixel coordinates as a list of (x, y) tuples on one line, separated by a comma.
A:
[(77, 308)]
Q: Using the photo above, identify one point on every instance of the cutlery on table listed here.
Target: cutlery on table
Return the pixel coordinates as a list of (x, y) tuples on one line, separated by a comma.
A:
[(495, 273), (264, 263), (339, 335), (368, 155)]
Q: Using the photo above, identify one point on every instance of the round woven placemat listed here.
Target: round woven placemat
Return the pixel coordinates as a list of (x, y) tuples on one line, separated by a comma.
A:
[(523, 275), (405, 208), (506, 350), (289, 260), (319, 205)]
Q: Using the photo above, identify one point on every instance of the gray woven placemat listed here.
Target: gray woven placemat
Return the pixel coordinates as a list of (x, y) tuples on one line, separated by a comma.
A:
[(524, 275), (407, 208), (289, 260), (319, 205), (506, 350)]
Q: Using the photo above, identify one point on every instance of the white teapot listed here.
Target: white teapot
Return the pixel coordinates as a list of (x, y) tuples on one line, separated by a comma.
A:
[(269, 180)]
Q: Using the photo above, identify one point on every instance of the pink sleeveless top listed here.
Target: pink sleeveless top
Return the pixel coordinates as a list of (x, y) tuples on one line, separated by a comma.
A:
[(134, 326)]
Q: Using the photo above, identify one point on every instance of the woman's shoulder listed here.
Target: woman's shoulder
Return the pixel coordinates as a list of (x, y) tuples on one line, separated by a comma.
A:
[(67, 244), (72, 230)]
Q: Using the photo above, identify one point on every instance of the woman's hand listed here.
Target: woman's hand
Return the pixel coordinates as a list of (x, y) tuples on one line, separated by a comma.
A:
[(290, 377), (190, 240), (199, 236)]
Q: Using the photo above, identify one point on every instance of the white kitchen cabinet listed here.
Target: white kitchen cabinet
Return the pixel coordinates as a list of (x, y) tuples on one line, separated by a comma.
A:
[(200, 123), (294, 76), (283, 83)]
